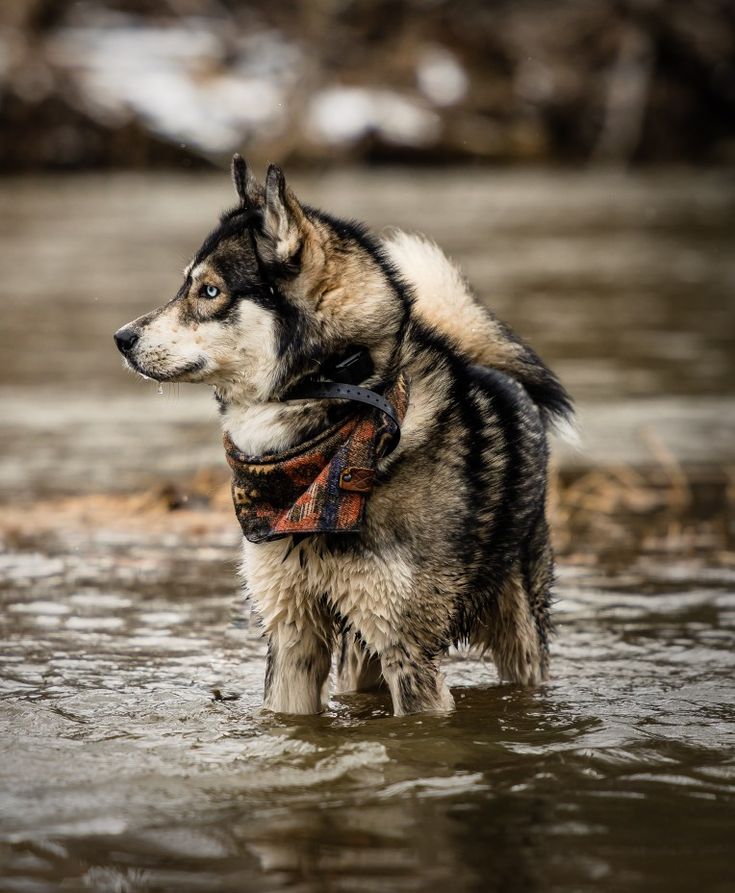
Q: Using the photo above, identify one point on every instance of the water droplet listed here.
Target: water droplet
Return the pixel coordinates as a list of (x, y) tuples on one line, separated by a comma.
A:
[(160, 390)]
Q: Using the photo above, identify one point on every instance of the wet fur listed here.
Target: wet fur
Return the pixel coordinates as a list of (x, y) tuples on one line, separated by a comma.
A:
[(455, 547)]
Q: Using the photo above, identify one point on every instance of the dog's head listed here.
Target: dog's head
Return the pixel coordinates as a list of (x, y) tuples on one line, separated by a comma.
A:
[(274, 289)]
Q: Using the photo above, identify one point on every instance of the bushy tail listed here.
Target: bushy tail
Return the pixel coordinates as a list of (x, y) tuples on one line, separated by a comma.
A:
[(444, 300), (544, 388)]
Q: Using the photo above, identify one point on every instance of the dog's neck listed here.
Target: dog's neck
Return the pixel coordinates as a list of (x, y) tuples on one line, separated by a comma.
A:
[(273, 426), (269, 426), (257, 428)]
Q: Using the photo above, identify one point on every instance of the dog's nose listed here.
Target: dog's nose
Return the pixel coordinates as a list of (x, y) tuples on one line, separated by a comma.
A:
[(126, 339)]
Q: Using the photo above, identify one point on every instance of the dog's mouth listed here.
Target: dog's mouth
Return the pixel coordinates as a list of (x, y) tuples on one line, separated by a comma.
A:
[(183, 373)]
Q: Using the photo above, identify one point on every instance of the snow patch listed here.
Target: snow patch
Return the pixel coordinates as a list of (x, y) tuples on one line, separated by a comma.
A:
[(440, 76), (344, 114)]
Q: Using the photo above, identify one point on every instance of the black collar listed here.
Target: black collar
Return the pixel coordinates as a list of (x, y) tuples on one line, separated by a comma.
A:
[(338, 380)]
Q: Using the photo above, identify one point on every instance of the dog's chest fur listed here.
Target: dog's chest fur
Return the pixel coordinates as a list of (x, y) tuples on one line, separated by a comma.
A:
[(299, 585)]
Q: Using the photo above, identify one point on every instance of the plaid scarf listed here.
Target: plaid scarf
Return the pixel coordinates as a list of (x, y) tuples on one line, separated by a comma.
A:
[(320, 486)]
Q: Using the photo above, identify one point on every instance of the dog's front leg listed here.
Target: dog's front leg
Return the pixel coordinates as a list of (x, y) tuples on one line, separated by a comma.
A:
[(297, 669), (357, 668), (414, 680)]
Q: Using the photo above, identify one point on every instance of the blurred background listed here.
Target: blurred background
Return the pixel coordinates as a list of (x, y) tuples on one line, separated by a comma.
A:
[(577, 159), (142, 83)]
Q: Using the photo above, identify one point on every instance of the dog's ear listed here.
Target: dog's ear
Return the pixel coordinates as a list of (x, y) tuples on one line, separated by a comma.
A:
[(249, 191), (283, 224)]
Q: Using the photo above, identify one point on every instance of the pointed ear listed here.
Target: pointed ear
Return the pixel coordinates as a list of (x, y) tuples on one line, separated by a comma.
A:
[(283, 222), (247, 187)]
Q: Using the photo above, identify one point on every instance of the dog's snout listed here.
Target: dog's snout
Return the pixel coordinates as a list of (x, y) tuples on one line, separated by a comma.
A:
[(126, 339)]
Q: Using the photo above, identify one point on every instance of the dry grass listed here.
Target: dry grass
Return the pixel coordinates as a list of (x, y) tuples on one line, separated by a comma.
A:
[(663, 508), (624, 511), (601, 512)]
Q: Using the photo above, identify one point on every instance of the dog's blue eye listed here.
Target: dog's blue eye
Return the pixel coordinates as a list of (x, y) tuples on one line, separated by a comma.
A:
[(211, 291)]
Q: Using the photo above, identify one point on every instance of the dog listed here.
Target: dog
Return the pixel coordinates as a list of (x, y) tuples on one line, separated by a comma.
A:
[(438, 535)]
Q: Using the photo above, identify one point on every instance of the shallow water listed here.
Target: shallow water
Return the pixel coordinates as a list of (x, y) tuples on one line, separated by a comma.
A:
[(134, 754), (122, 769)]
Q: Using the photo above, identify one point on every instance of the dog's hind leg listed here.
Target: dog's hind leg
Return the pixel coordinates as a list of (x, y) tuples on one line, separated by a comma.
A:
[(538, 582), (357, 669), (297, 668), (511, 634), (517, 627), (414, 680)]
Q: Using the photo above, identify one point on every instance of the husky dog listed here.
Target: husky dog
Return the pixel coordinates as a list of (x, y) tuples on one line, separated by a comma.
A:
[(453, 545)]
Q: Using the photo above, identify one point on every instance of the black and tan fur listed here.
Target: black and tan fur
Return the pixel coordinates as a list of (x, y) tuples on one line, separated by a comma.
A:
[(455, 546)]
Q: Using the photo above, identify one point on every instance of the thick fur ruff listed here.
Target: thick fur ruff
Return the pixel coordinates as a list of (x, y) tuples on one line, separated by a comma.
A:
[(454, 545)]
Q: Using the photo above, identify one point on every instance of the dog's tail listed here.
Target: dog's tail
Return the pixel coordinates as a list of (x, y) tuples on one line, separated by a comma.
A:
[(544, 388), (444, 300)]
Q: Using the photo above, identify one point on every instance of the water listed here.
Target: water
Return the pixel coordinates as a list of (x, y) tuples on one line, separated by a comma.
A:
[(135, 755)]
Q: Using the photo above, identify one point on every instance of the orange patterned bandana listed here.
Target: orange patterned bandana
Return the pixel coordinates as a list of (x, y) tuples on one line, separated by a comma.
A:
[(320, 486)]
